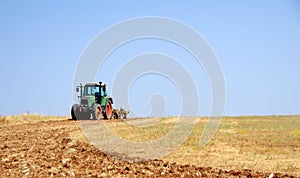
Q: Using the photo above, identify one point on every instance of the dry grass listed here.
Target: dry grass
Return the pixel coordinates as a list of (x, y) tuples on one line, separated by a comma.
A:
[(28, 118), (260, 143), (132, 132)]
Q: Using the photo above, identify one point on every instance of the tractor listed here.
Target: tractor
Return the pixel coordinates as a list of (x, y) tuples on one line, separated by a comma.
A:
[(93, 102)]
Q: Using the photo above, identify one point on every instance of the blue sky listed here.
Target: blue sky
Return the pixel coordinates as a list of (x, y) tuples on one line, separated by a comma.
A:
[(257, 44)]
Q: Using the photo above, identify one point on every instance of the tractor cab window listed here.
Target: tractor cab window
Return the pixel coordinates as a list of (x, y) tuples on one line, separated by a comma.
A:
[(90, 90), (103, 91)]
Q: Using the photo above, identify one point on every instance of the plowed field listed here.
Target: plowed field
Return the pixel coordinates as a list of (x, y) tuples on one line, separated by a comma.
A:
[(47, 148)]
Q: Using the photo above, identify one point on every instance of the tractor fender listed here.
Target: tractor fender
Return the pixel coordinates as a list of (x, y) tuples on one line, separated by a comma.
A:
[(111, 100)]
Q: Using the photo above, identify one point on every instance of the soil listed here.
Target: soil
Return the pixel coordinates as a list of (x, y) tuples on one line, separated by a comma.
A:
[(45, 149)]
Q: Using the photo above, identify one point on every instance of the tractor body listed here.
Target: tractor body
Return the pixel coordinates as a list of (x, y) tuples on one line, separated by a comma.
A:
[(94, 103)]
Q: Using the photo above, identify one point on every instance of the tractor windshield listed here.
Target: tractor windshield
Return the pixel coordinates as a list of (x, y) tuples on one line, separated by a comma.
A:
[(90, 90)]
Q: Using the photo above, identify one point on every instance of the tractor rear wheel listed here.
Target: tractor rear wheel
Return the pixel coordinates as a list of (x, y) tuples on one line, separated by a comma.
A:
[(108, 110)]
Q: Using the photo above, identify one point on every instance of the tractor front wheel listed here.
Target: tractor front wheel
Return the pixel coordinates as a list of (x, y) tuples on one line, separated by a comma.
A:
[(74, 111), (96, 112)]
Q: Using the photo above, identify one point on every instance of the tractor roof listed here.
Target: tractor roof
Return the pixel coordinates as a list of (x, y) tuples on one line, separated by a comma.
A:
[(94, 83)]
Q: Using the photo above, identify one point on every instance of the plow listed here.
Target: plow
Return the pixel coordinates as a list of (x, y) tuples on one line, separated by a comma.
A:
[(94, 103)]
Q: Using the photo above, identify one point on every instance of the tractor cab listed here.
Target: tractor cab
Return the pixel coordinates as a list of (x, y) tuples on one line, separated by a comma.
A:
[(92, 93), (94, 89)]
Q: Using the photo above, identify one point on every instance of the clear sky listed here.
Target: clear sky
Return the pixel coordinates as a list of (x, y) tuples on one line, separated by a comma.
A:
[(257, 44)]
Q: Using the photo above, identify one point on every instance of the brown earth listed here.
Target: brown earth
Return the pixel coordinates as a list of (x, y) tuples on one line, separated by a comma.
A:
[(46, 149)]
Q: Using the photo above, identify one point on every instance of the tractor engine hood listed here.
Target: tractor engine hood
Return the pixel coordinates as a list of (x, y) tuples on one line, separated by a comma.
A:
[(87, 101)]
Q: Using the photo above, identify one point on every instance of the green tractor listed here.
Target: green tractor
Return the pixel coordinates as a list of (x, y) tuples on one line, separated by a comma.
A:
[(93, 103)]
